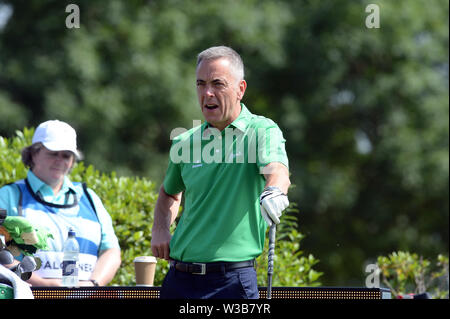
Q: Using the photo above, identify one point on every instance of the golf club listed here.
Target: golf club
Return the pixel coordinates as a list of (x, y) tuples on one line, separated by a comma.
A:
[(6, 257), (272, 232), (25, 268)]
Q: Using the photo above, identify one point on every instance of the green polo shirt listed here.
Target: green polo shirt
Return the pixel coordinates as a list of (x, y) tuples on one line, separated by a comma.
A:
[(221, 176)]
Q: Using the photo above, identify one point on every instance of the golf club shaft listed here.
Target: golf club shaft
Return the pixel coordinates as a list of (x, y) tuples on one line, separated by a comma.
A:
[(272, 233)]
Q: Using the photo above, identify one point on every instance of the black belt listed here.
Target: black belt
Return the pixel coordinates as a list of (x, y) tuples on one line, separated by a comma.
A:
[(203, 268)]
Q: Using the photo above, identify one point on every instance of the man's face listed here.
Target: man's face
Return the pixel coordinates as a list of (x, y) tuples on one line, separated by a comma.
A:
[(219, 92)]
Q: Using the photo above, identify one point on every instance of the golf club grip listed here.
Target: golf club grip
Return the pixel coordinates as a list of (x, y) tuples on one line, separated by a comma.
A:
[(272, 233), (271, 253)]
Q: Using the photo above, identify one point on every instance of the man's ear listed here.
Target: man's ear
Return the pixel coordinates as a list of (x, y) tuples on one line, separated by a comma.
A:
[(242, 87)]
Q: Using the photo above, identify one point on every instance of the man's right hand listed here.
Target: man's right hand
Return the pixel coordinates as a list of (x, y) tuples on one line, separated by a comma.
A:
[(160, 243), (166, 210)]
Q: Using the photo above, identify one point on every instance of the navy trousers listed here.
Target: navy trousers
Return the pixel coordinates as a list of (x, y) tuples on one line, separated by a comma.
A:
[(231, 284)]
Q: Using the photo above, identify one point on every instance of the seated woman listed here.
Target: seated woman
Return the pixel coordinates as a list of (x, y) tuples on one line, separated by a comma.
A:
[(49, 199)]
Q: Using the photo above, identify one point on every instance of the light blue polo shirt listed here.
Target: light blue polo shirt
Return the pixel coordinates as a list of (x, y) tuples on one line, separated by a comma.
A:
[(10, 194)]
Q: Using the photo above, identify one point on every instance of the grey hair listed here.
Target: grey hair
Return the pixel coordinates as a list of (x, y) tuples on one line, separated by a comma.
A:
[(224, 52)]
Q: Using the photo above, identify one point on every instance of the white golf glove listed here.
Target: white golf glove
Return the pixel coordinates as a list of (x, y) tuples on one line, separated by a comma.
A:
[(272, 201)]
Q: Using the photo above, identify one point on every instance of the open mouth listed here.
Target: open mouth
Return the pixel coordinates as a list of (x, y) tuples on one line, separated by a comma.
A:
[(211, 106)]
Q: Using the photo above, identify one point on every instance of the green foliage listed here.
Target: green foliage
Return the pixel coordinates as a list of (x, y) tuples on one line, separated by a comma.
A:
[(11, 166), (291, 267), (131, 202), (406, 273)]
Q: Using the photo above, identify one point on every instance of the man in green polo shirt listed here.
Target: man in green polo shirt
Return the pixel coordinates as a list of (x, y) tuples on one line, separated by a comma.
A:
[(233, 171)]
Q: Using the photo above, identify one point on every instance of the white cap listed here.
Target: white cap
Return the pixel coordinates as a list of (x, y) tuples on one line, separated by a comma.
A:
[(56, 136)]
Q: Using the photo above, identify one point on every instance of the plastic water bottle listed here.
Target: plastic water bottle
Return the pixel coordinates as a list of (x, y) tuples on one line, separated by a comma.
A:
[(70, 261)]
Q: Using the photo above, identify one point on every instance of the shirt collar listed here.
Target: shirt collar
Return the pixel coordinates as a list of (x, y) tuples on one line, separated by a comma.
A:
[(240, 122), (243, 119), (37, 185)]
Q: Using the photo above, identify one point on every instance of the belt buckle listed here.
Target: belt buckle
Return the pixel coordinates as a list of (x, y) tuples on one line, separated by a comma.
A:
[(202, 271)]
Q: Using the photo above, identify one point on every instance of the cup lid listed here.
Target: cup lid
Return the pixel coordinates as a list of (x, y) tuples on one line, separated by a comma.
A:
[(147, 259)]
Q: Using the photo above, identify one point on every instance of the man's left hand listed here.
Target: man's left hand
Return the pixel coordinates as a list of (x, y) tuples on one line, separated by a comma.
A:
[(273, 202)]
